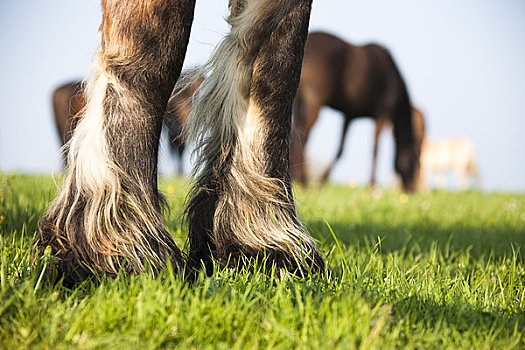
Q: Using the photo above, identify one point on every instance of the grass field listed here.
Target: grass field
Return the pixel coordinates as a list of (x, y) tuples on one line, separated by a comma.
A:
[(432, 270)]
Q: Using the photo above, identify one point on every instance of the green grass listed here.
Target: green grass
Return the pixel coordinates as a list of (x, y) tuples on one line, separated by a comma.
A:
[(433, 270)]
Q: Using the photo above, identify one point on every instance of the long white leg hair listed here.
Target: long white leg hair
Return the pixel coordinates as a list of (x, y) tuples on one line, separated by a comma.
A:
[(241, 204), (107, 215)]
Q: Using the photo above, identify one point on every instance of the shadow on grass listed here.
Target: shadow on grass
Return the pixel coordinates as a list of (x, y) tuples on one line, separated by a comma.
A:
[(448, 320), (452, 315), (497, 241), (421, 237)]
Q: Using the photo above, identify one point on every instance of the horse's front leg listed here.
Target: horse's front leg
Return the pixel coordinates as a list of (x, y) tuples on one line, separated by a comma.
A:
[(242, 204), (107, 215)]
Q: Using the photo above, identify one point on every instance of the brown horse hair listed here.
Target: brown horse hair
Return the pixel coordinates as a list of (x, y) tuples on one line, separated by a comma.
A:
[(241, 203), (107, 216), (68, 103)]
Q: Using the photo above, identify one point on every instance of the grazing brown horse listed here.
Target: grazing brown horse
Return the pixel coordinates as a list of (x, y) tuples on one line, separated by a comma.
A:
[(69, 100), (358, 81), (107, 216), (418, 124)]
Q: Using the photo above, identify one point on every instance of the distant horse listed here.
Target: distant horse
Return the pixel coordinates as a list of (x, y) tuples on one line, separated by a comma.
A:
[(456, 155), (177, 112), (358, 81), (107, 216), (69, 100)]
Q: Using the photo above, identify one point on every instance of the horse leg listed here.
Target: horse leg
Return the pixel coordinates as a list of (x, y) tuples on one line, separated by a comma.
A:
[(242, 203), (107, 216), (67, 101), (181, 118), (423, 179), (461, 173), (344, 132), (472, 169), (305, 114), (380, 123), (61, 98), (180, 151), (176, 145), (441, 178)]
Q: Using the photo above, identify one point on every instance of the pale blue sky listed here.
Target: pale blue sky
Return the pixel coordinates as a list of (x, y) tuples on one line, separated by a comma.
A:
[(463, 61)]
